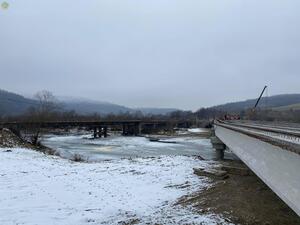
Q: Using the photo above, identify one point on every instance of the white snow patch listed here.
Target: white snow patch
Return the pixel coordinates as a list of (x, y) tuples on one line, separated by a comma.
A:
[(40, 189), (198, 130)]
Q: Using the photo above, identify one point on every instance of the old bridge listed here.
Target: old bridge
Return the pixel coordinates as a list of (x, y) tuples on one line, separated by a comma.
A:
[(99, 128)]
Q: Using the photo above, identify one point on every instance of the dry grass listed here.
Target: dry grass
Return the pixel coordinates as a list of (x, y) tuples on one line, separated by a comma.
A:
[(78, 158)]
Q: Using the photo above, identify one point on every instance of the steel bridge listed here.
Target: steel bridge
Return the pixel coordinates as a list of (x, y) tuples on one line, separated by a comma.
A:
[(129, 127)]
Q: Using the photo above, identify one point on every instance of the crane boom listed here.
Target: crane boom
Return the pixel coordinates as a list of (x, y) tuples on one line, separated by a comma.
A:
[(260, 97)]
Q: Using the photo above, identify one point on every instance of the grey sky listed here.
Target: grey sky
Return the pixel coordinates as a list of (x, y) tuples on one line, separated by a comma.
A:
[(158, 53)]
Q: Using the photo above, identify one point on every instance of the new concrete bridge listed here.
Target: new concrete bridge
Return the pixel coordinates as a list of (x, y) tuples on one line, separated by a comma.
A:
[(271, 151)]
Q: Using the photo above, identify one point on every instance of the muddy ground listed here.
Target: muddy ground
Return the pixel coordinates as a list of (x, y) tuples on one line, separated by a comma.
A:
[(242, 199)]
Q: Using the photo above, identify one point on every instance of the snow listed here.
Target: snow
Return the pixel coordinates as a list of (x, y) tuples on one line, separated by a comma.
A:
[(198, 130), (41, 189)]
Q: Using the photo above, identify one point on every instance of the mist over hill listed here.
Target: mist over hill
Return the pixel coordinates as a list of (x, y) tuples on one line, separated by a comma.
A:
[(156, 111), (93, 107)]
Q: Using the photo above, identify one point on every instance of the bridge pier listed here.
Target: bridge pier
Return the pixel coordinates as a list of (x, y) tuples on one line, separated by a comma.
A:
[(105, 132), (124, 130), (218, 145), (99, 131), (131, 129), (140, 127), (95, 132)]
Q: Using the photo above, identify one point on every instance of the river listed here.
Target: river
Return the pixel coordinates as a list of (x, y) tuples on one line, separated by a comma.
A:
[(117, 146)]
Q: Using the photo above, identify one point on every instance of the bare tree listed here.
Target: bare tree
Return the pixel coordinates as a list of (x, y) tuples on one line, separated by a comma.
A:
[(47, 104), (45, 108)]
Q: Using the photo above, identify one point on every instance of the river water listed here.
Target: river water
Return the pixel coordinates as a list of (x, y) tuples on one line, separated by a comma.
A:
[(117, 146), (133, 180)]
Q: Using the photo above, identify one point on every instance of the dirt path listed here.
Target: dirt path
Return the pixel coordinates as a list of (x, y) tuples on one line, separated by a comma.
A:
[(243, 200)]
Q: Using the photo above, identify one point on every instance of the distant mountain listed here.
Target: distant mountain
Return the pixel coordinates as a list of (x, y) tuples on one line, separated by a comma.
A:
[(156, 111), (13, 104), (269, 102)]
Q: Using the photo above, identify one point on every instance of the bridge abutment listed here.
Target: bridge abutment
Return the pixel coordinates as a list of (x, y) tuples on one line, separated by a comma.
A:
[(218, 145)]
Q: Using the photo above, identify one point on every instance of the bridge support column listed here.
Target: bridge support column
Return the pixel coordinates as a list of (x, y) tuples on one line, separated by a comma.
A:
[(124, 130), (105, 132), (100, 132), (220, 154), (95, 132), (131, 130), (139, 129), (218, 145)]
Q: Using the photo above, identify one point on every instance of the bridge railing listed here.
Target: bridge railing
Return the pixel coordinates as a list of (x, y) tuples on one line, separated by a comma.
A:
[(285, 139)]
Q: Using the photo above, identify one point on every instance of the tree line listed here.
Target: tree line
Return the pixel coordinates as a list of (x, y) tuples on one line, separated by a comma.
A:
[(48, 109)]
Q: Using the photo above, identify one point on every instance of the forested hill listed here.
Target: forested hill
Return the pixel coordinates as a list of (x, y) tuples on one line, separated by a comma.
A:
[(269, 102), (14, 104)]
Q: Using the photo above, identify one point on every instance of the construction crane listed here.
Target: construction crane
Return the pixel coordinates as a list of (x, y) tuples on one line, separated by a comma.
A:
[(258, 100)]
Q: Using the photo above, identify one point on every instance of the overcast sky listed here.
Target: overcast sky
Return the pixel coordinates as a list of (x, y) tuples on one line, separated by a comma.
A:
[(157, 53)]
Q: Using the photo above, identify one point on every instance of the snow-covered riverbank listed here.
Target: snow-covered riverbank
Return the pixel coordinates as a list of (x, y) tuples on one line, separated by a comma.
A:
[(40, 189)]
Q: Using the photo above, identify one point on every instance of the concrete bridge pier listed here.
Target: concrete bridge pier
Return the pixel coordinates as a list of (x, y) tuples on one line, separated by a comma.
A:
[(218, 145)]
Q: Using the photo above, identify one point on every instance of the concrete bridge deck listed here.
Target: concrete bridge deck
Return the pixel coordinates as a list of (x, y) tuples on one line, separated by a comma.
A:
[(271, 151)]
